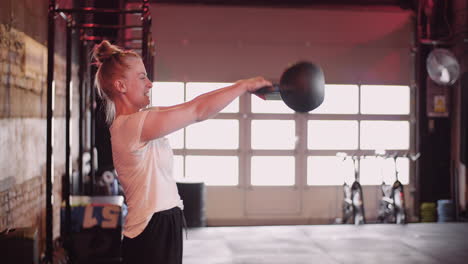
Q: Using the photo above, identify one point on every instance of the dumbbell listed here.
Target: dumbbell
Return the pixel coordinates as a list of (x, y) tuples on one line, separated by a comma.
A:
[(301, 87)]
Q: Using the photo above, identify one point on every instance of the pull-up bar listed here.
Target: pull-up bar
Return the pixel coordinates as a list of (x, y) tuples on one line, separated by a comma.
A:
[(94, 10), (100, 38), (67, 14), (91, 25)]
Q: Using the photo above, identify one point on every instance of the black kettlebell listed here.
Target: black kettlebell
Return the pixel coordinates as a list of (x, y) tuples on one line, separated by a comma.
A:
[(301, 87)]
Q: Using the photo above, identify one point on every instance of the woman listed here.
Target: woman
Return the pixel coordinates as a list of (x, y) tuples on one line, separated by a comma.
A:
[(142, 156)]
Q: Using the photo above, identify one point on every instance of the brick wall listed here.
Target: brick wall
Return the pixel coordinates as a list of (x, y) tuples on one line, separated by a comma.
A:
[(22, 204), (23, 104)]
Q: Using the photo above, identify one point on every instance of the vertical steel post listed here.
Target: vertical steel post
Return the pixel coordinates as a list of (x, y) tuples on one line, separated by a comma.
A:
[(81, 76), (150, 53), (68, 108), (50, 130), (122, 18), (144, 44), (92, 106), (87, 115)]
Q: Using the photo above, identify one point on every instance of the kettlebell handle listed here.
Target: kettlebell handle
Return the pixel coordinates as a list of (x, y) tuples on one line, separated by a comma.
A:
[(269, 92)]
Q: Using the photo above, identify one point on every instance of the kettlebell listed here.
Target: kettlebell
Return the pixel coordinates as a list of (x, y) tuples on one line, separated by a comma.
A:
[(301, 87)]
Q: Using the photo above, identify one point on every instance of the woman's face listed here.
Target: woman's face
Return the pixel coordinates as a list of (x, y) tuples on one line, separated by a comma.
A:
[(137, 83)]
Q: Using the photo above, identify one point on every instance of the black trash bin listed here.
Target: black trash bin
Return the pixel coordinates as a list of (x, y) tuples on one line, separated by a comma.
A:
[(193, 195), (19, 245)]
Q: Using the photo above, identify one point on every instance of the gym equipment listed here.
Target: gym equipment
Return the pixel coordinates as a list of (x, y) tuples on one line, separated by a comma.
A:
[(20, 245), (193, 194), (96, 228), (428, 213), (392, 207), (442, 67), (392, 203), (87, 100), (301, 87), (353, 200), (445, 211)]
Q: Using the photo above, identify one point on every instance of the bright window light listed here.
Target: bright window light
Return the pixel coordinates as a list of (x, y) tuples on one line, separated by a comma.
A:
[(339, 99), (375, 170), (273, 171), (273, 134), (331, 134), (385, 134), (167, 93), (213, 170), (269, 106), (329, 170), (195, 89), (385, 99), (176, 139), (213, 134)]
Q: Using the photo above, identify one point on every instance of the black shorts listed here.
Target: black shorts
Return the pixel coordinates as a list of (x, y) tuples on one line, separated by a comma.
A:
[(160, 242)]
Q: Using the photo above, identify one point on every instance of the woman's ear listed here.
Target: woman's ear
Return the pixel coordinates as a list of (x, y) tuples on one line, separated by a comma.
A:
[(119, 84)]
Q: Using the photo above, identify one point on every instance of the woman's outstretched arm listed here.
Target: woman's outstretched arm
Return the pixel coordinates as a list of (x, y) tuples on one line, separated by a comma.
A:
[(166, 120)]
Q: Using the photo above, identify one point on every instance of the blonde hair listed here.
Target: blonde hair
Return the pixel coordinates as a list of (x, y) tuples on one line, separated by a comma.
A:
[(111, 62)]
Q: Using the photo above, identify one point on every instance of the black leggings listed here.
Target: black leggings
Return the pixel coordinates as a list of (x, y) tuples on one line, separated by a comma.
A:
[(160, 243)]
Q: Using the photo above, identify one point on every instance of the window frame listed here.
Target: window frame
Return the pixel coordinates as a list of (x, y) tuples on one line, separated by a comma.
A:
[(301, 152)]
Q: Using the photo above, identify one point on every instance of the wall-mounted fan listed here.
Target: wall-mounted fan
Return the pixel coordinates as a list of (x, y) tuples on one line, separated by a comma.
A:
[(442, 67)]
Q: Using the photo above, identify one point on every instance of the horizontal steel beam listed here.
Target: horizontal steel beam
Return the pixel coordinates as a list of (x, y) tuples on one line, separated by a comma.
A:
[(91, 25), (94, 10)]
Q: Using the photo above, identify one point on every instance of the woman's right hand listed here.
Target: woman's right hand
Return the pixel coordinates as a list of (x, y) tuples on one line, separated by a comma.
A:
[(253, 84)]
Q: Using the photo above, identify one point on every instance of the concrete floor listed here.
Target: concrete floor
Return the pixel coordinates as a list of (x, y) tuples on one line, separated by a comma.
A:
[(425, 243)]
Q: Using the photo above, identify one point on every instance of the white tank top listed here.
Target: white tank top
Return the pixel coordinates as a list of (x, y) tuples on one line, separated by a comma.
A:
[(144, 170)]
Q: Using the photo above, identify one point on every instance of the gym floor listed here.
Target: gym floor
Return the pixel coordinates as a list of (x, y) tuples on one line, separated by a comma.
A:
[(372, 243)]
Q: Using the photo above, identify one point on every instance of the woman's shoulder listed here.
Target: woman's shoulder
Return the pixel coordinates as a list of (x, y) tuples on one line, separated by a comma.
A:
[(126, 129), (123, 122)]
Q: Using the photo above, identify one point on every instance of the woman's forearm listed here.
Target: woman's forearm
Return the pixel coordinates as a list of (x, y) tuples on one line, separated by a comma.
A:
[(211, 103)]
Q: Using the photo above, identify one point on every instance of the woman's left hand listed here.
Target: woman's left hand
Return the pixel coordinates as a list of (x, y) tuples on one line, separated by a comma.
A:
[(253, 84)]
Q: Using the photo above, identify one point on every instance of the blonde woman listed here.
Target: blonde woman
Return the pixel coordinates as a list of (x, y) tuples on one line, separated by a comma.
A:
[(141, 154)]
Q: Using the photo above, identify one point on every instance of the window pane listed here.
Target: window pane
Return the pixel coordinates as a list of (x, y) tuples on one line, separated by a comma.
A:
[(176, 139), (375, 170), (385, 99), (327, 134), (195, 89), (273, 134), (331, 170), (339, 99), (213, 170), (385, 134), (269, 106), (167, 93), (213, 134), (403, 166), (178, 168), (273, 171)]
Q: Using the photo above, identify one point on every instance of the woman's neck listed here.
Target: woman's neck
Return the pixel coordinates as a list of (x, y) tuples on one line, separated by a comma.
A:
[(122, 108)]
